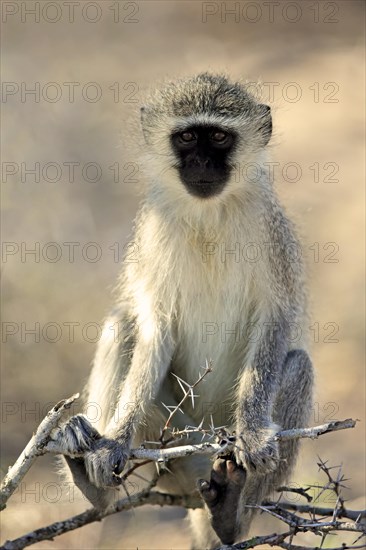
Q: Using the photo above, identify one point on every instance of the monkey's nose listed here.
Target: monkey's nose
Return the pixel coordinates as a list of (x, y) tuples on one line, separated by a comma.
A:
[(203, 162)]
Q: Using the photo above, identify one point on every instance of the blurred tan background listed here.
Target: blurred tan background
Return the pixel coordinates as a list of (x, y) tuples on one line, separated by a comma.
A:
[(309, 57)]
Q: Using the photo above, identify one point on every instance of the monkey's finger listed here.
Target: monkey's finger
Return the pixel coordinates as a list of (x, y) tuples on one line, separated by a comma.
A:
[(79, 431)]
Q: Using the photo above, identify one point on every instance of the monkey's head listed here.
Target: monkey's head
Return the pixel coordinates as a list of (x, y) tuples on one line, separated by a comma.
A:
[(200, 131)]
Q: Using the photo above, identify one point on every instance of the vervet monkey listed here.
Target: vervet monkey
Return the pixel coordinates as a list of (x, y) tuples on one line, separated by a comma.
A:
[(183, 301)]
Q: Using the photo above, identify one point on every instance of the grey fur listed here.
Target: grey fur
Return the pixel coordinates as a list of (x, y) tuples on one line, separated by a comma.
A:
[(167, 296)]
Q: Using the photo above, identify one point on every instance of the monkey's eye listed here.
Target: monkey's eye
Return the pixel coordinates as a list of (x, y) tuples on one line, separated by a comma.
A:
[(219, 136), (187, 136)]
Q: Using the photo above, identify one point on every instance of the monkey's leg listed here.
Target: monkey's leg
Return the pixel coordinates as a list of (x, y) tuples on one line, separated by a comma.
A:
[(292, 409), (232, 492)]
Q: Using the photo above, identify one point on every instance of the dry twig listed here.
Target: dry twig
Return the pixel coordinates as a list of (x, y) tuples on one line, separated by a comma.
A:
[(35, 448), (41, 443)]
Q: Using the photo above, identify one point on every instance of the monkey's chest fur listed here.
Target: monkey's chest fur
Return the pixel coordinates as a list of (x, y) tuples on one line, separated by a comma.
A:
[(213, 301), (212, 323)]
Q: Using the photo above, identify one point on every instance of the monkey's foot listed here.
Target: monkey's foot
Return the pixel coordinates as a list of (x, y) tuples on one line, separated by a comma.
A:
[(221, 495)]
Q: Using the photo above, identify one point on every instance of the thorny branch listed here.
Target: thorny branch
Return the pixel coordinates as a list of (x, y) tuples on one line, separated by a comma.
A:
[(317, 524), (35, 448), (188, 391), (220, 441), (146, 496), (295, 522)]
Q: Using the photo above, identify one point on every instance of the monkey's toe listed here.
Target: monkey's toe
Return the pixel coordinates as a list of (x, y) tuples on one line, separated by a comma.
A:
[(207, 491), (226, 471), (227, 480)]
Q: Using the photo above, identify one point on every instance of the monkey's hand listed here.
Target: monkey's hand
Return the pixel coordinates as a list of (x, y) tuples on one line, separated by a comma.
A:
[(257, 451), (104, 458)]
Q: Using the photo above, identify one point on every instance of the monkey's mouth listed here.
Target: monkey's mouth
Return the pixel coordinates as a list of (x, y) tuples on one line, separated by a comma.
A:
[(205, 188)]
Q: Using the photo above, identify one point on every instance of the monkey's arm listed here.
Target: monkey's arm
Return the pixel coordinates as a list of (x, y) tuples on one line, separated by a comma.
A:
[(257, 390), (149, 364)]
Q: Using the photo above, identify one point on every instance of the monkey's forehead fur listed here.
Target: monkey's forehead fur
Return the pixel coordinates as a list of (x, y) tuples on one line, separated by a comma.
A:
[(206, 95)]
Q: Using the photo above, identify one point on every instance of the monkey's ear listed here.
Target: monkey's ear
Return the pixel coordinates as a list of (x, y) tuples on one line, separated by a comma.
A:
[(265, 126)]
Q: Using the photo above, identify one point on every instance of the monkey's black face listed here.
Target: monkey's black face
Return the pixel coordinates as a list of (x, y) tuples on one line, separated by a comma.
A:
[(203, 154)]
